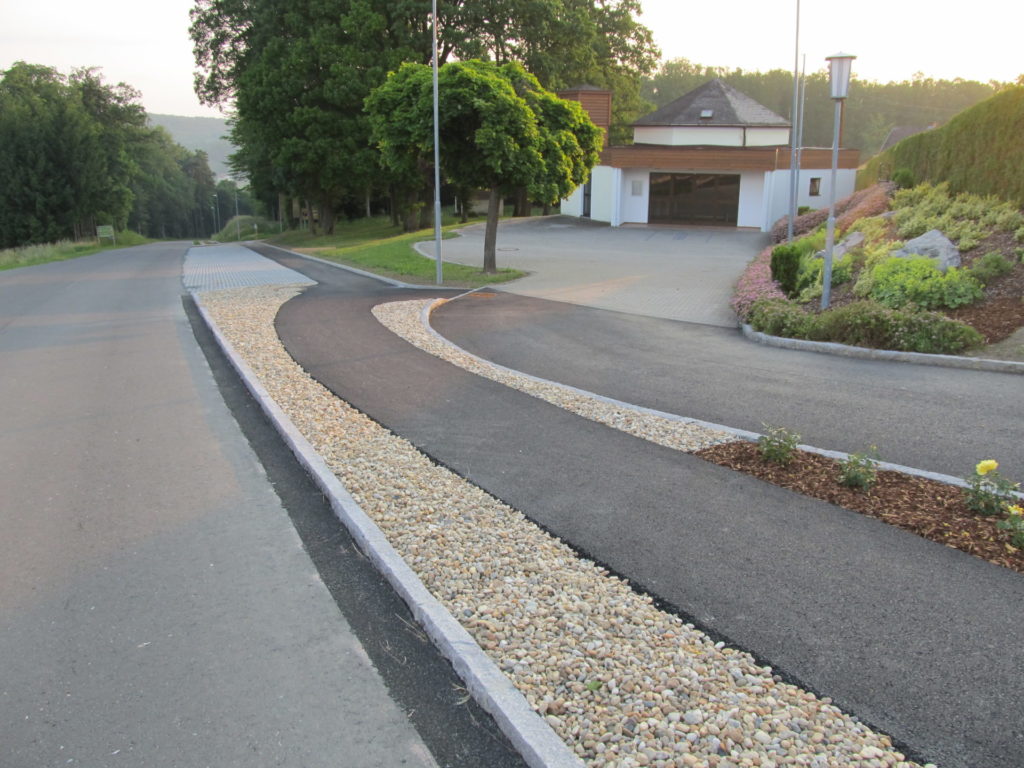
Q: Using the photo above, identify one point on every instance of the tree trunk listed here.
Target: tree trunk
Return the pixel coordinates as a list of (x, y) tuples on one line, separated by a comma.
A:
[(491, 233), (327, 217), (547, 209), (412, 212), (522, 203), (393, 201), (369, 211)]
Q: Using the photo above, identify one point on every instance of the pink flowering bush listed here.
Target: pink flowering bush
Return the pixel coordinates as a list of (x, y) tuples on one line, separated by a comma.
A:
[(755, 283), (875, 198)]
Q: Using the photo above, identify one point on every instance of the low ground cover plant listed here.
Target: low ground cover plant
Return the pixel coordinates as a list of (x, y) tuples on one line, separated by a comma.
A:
[(927, 507), (778, 444), (888, 302)]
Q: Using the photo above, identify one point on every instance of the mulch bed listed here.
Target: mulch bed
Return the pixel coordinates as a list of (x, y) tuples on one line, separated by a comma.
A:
[(1001, 312), (926, 507)]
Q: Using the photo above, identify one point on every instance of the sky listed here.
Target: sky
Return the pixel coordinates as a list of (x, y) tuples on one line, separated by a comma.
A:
[(145, 42)]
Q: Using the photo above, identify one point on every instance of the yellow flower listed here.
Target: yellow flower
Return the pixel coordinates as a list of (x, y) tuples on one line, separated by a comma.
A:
[(1015, 509), (986, 466)]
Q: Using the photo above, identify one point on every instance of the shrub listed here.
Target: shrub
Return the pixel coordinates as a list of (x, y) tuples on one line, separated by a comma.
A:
[(859, 470), (989, 267), (814, 219), (903, 178), (755, 283), (867, 324), (965, 219), (874, 202), (778, 444), (1014, 523), (778, 317), (875, 228), (988, 493), (784, 265), (897, 282)]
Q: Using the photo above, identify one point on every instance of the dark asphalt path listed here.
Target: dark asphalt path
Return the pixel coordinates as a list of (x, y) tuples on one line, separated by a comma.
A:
[(939, 419), (157, 606), (911, 636)]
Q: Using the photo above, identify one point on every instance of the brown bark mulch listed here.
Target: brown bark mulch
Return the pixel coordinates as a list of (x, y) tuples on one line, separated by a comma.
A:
[(926, 507)]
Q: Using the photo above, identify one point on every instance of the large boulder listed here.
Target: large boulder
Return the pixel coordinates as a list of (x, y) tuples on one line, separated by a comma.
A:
[(934, 245), (853, 240)]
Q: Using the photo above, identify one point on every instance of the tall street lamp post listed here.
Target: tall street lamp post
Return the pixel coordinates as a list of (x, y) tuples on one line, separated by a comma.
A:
[(839, 80)]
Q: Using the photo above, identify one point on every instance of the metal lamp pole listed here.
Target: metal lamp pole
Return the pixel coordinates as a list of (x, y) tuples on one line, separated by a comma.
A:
[(794, 166), (839, 80), (437, 155)]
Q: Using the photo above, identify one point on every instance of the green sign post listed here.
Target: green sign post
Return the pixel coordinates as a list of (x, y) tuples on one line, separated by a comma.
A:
[(105, 230)]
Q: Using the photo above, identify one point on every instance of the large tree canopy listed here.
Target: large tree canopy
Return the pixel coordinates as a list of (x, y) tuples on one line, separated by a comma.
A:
[(298, 73), (75, 152), (499, 129)]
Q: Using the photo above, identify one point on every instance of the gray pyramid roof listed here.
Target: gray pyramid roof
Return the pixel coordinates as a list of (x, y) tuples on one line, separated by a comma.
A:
[(727, 105)]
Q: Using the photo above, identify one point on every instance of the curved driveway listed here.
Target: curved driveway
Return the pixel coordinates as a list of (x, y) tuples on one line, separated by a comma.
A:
[(938, 419), (678, 273), (907, 634)]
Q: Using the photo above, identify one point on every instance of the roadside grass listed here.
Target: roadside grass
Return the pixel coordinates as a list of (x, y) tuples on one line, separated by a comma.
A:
[(246, 228), (30, 255), (378, 247)]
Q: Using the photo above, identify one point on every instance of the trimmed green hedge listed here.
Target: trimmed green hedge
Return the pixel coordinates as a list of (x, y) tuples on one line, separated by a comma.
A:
[(866, 324), (980, 151)]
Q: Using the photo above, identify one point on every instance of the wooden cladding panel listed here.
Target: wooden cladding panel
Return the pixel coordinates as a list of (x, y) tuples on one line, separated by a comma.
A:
[(597, 104)]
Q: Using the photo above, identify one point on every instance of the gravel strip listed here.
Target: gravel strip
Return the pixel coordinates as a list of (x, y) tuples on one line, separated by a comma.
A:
[(404, 319), (623, 683)]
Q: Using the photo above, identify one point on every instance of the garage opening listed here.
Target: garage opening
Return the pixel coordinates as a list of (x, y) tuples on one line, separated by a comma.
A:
[(694, 198)]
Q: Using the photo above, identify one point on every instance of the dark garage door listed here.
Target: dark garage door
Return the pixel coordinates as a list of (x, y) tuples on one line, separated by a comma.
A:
[(694, 198)]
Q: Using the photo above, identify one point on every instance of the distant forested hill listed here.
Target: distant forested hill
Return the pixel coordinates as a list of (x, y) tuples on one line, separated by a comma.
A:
[(205, 133)]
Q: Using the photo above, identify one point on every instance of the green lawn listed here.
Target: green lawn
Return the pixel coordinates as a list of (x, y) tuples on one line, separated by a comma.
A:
[(30, 255), (376, 246)]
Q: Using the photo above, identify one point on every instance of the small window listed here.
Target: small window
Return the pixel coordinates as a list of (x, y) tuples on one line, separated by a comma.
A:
[(815, 190), (707, 114), (638, 189)]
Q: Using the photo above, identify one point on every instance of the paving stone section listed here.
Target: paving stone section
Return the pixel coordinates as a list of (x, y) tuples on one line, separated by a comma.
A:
[(218, 267), (623, 683)]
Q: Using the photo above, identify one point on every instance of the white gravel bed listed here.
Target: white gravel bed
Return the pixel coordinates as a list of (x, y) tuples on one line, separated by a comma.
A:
[(623, 683), (404, 318)]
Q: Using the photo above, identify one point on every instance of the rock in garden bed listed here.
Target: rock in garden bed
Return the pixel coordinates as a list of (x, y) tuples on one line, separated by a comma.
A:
[(926, 507)]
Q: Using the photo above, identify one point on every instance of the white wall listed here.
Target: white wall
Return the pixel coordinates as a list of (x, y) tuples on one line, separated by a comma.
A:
[(777, 202), (767, 137), (751, 208), (604, 194), (635, 208), (716, 136), (689, 136), (573, 204)]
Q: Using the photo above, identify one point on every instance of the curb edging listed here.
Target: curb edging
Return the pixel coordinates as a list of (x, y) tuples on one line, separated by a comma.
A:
[(533, 738), (740, 434), (361, 272), (888, 355)]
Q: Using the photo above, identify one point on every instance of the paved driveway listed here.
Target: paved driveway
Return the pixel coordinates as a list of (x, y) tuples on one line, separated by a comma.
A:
[(679, 273)]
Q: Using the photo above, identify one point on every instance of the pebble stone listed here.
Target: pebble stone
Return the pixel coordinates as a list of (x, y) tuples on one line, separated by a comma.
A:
[(622, 683), (404, 318)]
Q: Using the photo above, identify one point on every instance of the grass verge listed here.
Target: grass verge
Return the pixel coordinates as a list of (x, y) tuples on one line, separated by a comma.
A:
[(378, 247), (30, 255)]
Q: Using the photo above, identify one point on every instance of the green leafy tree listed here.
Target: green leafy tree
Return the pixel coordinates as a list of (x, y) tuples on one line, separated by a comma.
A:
[(499, 130), (76, 152)]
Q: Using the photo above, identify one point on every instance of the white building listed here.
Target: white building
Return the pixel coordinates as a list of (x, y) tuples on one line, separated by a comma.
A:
[(714, 156)]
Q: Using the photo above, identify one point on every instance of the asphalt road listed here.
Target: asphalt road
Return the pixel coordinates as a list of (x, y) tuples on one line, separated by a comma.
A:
[(908, 635), (938, 419), (157, 606)]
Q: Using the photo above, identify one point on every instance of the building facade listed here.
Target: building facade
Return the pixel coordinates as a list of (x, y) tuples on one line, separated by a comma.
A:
[(714, 157)]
